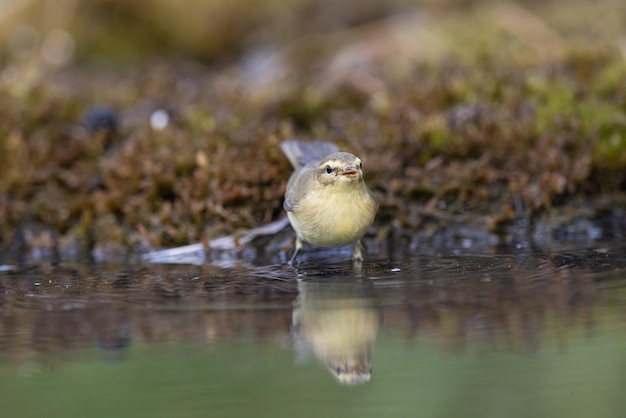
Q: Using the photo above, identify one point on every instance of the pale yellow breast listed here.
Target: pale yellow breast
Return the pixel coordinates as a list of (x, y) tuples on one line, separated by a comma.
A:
[(341, 217)]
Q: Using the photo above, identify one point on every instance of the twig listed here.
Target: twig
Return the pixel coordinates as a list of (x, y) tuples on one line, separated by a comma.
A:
[(196, 253)]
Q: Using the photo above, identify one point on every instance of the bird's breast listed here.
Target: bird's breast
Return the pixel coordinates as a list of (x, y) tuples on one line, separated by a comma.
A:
[(334, 219)]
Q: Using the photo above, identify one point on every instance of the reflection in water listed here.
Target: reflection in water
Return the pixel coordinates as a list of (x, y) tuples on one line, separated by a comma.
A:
[(471, 335), (113, 333), (459, 303), (53, 316), (338, 320)]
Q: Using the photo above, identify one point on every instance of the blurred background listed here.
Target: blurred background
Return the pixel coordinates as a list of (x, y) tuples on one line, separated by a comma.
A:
[(70, 32), (142, 125)]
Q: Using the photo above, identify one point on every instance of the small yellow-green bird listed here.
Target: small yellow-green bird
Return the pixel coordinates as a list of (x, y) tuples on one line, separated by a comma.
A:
[(327, 201)]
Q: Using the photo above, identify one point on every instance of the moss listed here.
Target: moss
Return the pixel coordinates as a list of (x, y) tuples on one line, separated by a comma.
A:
[(475, 118)]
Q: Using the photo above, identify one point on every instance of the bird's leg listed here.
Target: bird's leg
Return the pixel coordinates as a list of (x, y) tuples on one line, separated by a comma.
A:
[(357, 251), (296, 250)]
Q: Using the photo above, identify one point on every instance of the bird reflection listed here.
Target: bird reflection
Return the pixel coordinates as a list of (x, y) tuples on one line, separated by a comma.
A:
[(337, 319)]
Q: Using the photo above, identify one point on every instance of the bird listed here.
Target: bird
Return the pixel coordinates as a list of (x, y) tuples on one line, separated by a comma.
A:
[(327, 201)]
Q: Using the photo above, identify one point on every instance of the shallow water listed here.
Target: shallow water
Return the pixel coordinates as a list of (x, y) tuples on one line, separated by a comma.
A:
[(515, 333)]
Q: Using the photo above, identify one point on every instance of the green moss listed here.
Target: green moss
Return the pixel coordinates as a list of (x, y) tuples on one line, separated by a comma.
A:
[(610, 150)]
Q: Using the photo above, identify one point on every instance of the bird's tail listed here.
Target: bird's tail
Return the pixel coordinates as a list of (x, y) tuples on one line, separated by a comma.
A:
[(301, 153)]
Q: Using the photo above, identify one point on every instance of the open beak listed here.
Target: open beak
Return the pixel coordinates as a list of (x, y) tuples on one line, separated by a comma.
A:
[(350, 172)]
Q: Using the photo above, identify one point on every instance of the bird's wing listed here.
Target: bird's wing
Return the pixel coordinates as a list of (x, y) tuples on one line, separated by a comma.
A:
[(301, 153)]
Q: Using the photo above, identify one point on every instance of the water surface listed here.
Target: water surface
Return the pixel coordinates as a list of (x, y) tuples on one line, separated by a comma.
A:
[(515, 333)]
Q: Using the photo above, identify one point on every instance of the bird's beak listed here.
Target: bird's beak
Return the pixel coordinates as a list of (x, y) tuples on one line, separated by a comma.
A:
[(350, 172)]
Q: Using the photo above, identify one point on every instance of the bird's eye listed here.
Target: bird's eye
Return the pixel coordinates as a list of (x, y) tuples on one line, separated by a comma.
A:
[(361, 165), (329, 169)]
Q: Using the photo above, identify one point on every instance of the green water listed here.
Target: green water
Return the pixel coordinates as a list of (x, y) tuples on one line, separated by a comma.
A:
[(585, 379)]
